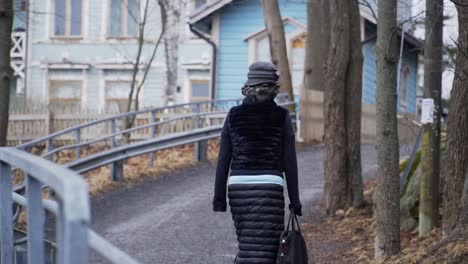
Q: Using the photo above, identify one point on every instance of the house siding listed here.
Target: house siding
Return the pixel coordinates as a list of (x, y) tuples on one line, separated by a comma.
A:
[(238, 20), (95, 49), (410, 58), (241, 18)]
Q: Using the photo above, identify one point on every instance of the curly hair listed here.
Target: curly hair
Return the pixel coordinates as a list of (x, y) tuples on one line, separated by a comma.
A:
[(262, 92)]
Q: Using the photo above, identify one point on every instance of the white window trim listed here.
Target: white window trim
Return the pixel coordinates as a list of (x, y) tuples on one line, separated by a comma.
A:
[(290, 37), (84, 23), (188, 78), (78, 77), (252, 43), (102, 89), (298, 33)]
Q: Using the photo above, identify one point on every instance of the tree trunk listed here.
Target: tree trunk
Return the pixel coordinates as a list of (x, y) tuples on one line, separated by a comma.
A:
[(457, 127), (318, 38), (353, 107), (429, 204), (6, 23), (335, 178), (171, 46), (463, 218), (342, 97), (279, 55), (387, 193)]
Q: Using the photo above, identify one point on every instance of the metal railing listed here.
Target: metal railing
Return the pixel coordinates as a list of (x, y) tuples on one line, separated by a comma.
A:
[(199, 121), (70, 208)]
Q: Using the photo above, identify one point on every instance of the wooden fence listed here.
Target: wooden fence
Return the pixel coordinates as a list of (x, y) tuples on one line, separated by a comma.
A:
[(312, 122), (26, 127)]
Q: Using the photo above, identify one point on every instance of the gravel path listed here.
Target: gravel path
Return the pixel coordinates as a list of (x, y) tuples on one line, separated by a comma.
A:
[(170, 219)]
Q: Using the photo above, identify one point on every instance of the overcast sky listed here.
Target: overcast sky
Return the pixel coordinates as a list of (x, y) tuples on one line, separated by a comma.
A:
[(450, 32)]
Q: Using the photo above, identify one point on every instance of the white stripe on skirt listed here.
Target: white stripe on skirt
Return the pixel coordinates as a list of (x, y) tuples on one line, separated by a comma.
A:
[(263, 178)]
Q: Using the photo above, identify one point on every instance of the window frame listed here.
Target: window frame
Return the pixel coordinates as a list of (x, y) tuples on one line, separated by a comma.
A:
[(123, 21), (293, 37), (107, 100), (199, 80), (71, 99), (67, 20)]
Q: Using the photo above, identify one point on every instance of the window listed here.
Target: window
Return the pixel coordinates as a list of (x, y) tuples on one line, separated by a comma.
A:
[(68, 17), (124, 18), (297, 62), (116, 94), (404, 75), (200, 90), (65, 96)]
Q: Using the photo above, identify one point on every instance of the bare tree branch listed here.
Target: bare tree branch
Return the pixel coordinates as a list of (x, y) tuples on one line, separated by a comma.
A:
[(368, 5), (460, 3)]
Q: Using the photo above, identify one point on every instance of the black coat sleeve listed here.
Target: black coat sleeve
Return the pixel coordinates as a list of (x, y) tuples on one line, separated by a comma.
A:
[(290, 166), (222, 169)]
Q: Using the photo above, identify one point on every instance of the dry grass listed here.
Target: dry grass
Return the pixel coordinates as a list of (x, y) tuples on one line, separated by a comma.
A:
[(137, 169)]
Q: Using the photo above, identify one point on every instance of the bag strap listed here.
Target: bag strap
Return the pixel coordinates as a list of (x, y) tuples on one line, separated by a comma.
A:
[(289, 221), (295, 222)]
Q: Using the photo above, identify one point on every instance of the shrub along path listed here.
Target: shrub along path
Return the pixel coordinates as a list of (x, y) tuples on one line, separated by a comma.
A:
[(170, 219)]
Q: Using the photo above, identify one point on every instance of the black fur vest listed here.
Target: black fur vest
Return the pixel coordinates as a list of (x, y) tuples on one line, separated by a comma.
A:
[(256, 131)]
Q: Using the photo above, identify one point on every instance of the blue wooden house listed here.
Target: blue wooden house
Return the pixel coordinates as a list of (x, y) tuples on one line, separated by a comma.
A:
[(237, 29)]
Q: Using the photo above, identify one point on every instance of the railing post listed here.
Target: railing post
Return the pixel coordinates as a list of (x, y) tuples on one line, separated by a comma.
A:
[(6, 216), (200, 146), (152, 135), (113, 130), (78, 141), (116, 168), (72, 239), (21, 255), (35, 216), (50, 147)]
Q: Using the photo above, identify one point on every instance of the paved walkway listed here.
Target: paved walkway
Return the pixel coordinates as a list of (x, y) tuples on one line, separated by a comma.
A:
[(170, 219)]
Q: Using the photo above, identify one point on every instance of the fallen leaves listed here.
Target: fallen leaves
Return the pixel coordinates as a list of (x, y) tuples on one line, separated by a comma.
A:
[(350, 239)]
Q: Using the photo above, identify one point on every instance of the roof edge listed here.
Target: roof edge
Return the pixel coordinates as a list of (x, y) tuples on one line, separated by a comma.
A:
[(287, 19)]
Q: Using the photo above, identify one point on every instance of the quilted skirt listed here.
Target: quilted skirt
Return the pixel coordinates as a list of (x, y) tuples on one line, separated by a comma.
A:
[(257, 208)]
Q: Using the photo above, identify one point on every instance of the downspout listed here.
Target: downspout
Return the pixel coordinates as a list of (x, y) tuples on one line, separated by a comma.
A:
[(213, 57)]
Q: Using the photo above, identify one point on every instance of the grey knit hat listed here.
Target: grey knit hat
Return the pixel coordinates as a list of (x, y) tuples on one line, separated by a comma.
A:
[(262, 72)]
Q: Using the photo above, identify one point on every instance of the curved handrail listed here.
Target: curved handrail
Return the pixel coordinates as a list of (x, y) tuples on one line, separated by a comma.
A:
[(122, 132), (73, 214), (117, 116), (103, 158), (53, 175), (108, 156), (95, 241)]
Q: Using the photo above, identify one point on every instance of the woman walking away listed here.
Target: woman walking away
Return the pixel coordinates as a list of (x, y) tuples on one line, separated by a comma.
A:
[(258, 145)]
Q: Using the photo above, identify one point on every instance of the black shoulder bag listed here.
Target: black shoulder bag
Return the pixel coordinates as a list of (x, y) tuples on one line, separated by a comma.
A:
[(292, 247)]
